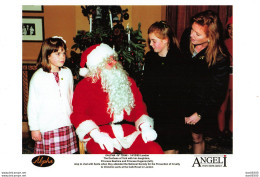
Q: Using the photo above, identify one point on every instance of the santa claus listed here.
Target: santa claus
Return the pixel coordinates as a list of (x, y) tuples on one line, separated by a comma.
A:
[(105, 103)]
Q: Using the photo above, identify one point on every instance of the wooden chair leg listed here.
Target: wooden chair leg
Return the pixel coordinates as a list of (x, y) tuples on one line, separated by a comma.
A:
[(81, 147)]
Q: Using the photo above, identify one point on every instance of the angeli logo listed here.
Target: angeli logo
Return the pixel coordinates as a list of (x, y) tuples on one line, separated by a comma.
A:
[(210, 161)]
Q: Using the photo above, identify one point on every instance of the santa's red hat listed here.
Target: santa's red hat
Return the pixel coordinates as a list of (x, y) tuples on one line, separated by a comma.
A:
[(93, 56)]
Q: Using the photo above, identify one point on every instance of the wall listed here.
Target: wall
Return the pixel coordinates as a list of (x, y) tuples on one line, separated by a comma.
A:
[(66, 20), (147, 15), (58, 20)]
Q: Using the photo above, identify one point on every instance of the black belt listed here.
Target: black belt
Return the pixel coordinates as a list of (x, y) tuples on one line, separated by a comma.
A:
[(123, 122)]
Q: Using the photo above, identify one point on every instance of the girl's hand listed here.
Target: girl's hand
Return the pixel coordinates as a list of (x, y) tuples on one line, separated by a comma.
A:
[(36, 135), (193, 119)]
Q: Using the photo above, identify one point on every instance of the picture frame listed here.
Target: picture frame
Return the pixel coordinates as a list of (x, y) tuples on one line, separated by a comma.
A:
[(32, 8), (32, 29)]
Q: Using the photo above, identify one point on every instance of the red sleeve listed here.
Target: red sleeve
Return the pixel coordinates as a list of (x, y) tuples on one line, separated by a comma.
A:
[(80, 118), (79, 105)]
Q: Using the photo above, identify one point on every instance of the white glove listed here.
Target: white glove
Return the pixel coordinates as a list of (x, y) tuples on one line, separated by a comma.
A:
[(103, 139), (148, 133)]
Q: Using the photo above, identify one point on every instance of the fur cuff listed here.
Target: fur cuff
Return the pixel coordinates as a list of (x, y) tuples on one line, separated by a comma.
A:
[(83, 72), (144, 119), (84, 128)]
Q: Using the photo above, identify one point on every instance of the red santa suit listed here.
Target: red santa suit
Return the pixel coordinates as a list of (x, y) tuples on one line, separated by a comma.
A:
[(90, 112)]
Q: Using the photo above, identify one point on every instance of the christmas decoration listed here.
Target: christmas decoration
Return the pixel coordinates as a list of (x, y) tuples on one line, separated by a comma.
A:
[(106, 27)]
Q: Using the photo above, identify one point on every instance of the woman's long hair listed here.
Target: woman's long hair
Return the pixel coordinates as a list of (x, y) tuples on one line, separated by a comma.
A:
[(214, 31)]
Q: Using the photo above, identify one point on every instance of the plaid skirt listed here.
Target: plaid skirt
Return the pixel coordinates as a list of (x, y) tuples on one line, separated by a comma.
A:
[(59, 141)]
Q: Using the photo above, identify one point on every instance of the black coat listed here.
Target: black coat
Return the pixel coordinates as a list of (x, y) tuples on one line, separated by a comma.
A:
[(161, 85), (162, 91), (206, 87)]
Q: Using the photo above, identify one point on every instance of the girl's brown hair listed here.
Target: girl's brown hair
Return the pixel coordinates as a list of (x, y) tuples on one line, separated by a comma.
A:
[(214, 31), (49, 46), (162, 30)]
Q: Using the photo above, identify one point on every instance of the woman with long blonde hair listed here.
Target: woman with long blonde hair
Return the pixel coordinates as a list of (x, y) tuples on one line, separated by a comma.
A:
[(207, 77)]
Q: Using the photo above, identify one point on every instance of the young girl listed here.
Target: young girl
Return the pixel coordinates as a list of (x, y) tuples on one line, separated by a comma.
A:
[(50, 101), (161, 85)]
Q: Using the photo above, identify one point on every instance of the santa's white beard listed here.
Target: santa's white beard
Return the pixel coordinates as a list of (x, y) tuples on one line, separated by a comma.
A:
[(115, 82)]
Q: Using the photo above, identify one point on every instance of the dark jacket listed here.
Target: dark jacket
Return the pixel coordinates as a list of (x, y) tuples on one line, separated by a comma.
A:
[(160, 88), (206, 87)]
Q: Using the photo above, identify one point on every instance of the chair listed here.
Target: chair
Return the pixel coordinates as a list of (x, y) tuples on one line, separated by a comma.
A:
[(81, 147)]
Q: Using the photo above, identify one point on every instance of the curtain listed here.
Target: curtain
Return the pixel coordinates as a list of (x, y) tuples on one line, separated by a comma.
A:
[(28, 71), (178, 17)]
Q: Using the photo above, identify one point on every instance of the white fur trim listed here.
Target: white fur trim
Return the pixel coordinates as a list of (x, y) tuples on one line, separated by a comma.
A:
[(98, 55), (83, 72), (118, 117), (127, 141), (144, 119), (84, 128)]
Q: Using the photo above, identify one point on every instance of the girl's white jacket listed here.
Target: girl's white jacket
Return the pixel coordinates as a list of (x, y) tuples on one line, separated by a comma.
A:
[(50, 104)]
